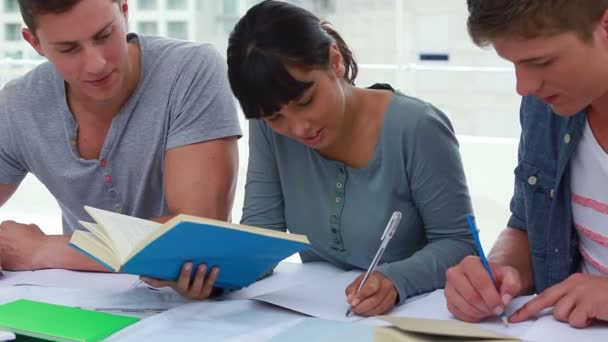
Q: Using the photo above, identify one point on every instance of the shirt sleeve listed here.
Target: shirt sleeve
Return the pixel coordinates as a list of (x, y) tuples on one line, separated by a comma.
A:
[(263, 205), (12, 169), (202, 105), (439, 191), (518, 209)]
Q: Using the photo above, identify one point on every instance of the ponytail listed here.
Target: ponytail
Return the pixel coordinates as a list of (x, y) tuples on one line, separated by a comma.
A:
[(347, 55)]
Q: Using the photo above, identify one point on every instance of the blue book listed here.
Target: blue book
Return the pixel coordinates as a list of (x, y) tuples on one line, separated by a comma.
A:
[(132, 245)]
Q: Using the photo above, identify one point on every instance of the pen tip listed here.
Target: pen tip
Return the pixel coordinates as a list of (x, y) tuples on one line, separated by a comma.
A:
[(505, 320)]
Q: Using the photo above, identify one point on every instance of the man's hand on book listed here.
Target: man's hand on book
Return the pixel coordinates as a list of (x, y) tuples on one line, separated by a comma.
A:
[(19, 245), (198, 288)]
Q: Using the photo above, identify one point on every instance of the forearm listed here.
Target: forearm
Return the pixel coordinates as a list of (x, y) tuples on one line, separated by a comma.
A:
[(55, 253), (512, 249)]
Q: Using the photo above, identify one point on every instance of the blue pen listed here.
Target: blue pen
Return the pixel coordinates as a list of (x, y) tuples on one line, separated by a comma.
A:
[(484, 261)]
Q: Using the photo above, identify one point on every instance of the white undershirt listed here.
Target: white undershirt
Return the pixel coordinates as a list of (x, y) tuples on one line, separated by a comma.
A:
[(589, 186)]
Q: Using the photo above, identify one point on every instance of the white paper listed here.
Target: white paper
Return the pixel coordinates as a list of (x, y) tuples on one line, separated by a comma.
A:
[(235, 320), (7, 336), (322, 299), (70, 279), (285, 275)]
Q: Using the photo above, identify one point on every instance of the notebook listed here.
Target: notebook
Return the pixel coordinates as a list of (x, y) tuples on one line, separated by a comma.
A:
[(59, 323)]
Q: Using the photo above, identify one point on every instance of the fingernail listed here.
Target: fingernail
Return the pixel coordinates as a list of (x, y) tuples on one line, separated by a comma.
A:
[(188, 266), (355, 302), (497, 310), (506, 299)]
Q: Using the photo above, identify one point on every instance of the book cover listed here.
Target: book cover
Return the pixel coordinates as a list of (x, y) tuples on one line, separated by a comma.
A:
[(58, 322), (242, 253)]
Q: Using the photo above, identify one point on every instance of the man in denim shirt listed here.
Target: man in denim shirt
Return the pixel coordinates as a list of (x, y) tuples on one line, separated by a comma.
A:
[(560, 52)]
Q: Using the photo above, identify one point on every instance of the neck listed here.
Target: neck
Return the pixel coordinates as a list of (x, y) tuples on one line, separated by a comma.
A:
[(600, 105), (353, 106)]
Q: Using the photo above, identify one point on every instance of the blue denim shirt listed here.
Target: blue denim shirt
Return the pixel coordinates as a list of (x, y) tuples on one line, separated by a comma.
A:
[(541, 201)]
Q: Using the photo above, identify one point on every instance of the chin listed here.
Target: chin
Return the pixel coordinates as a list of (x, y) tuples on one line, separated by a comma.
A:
[(567, 111)]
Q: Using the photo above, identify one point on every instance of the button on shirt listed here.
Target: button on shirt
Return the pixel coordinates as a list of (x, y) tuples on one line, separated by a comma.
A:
[(415, 168), (183, 98), (541, 203)]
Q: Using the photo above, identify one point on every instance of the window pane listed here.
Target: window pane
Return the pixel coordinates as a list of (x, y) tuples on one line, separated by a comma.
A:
[(177, 4), (230, 8), (177, 30), (149, 28), (147, 4), (12, 32), (11, 6)]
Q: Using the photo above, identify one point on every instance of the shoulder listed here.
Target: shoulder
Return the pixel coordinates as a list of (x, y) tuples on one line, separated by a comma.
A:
[(179, 52), (37, 89), (413, 117)]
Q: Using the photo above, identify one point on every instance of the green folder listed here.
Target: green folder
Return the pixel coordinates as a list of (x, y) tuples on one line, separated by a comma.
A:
[(59, 323)]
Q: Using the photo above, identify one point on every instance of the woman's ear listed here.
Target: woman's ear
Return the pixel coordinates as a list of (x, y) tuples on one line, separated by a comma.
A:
[(336, 61)]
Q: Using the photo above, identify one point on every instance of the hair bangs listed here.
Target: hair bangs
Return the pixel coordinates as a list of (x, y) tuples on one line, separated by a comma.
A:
[(265, 85)]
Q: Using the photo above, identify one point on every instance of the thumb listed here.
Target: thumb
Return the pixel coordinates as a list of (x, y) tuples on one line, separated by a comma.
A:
[(509, 283)]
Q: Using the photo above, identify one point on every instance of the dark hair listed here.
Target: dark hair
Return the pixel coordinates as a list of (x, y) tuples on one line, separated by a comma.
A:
[(492, 19), (30, 9), (271, 36)]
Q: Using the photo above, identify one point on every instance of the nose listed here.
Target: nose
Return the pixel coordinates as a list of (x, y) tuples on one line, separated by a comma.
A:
[(528, 81), (301, 128), (95, 61)]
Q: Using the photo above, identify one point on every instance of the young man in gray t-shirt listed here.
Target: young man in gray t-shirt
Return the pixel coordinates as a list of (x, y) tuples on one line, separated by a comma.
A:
[(139, 125)]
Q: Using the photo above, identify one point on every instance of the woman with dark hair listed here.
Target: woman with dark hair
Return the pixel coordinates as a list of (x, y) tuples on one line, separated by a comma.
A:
[(333, 161)]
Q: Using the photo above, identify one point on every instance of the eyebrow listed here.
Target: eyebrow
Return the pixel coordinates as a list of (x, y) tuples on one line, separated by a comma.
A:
[(310, 90), (97, 34)]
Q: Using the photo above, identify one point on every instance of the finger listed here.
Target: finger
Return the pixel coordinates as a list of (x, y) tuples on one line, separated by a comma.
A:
[(352, 288), (369, 289), (509, 283), (472, 302), (387, 304), (563, 308), (208, 288), (183, 282), (367, 305), (462, 315), (546, 299), (579, 316), (199, 280), (481, 283), (460, 308)]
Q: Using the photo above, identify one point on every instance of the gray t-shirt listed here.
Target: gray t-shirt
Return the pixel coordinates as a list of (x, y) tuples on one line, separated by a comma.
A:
[(416, 168), (183, 97)]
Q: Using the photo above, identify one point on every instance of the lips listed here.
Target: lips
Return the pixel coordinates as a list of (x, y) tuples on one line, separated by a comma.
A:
[(313, 139), (101, 80), (550, 99)]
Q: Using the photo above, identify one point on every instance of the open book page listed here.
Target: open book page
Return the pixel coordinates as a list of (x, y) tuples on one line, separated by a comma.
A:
[(125, 231), (255, 230), (102, 237), (96, 249)]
